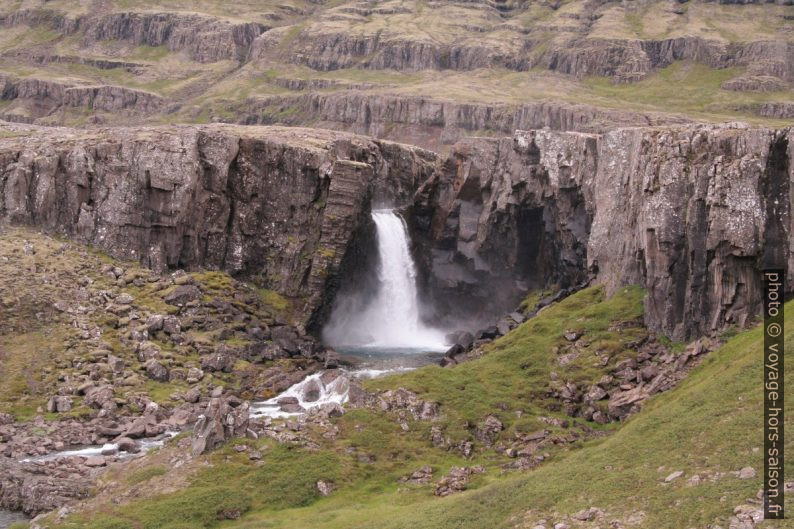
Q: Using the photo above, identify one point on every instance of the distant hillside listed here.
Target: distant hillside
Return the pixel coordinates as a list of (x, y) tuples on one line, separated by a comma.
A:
[(382, 68)]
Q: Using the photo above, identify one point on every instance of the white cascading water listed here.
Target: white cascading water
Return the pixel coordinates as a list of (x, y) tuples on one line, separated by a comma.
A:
[(390, 321), (392, 318)]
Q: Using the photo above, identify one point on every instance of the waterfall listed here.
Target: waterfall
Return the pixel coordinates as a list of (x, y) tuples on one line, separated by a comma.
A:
[(391, 319)]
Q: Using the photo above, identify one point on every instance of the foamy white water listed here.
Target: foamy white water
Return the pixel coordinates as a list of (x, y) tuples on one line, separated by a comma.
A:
[(145, 445), (392, 318), (311, 392), (319, 393)]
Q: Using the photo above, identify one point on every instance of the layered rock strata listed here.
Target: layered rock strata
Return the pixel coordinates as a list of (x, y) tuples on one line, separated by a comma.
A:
[(284, 207), (693, 214)]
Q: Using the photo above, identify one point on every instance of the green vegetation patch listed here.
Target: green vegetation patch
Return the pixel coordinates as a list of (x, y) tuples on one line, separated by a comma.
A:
[(227, 489), (515, 372)]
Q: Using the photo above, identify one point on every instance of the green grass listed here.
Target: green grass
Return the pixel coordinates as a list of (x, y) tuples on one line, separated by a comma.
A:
[(232, 484), (514, 375), (709, 425), (145, 474), (694, 89)]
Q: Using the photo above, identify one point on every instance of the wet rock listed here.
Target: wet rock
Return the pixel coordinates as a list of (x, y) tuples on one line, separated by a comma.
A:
[(128, 445), (290, 405), (95, 461), (311, 391), (488, 333)]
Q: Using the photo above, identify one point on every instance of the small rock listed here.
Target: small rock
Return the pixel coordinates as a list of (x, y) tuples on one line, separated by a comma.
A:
[(675, 475), (94, 461), (124, 299), (747, 473), (325, 487), (587, 515)]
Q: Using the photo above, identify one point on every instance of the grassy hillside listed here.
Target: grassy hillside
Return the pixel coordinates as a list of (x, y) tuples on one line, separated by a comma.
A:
[(708, 427)]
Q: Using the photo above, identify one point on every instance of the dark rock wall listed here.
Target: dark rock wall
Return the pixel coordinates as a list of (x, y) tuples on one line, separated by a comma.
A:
[(279, 206), (691, 213), (503, 216)]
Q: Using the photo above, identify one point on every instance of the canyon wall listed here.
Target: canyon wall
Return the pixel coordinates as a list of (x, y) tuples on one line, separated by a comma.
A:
[(283, 207), (691, 213), (434, 123)]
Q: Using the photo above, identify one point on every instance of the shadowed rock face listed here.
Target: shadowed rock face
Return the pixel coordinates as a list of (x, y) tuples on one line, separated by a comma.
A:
[(504, 216), (691, 213), (285, 207)]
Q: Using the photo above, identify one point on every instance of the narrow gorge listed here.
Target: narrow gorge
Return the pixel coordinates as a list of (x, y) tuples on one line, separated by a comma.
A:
[(683, 211)]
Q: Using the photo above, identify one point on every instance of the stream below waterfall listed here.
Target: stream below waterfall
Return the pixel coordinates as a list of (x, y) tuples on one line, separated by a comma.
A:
[(385, 335), (9, 517)]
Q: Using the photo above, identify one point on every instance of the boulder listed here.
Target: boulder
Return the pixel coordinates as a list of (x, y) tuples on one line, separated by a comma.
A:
[(182, 294), (223, 419), (116, 364), (59, 404), (100, 397), (156, 371), (223, 359)]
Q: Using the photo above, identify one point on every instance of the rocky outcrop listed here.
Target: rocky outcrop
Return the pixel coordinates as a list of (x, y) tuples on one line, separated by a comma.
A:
[(579, 55), (284, 207), (700, 212), (45, 97), (780, 110), (203, 38), (225, 418), (41, 487), (693, 214), (434, 123)]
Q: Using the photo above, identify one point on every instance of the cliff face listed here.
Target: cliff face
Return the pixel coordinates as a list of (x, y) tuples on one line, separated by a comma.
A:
[(45, 97), (285, 207), (699, 213), (691, 213), (434, 123), (506, 215), (202, 38)]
